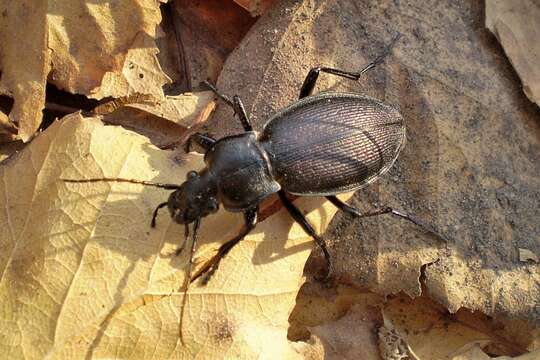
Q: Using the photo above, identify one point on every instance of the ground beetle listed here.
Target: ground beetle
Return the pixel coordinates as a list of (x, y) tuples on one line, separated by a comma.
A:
[(321, 145)]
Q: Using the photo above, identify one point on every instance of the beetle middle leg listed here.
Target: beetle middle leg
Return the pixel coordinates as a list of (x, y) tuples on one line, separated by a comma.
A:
[(386, 210), (203, 143), (313, 75), (301, 219), (211, 266)]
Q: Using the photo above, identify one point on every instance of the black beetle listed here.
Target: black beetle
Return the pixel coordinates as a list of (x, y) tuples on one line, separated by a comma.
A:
[(320, 145)]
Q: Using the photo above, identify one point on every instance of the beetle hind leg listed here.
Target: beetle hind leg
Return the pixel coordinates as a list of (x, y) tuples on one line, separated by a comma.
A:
[(301, 219), (385, 210), (311, 79)]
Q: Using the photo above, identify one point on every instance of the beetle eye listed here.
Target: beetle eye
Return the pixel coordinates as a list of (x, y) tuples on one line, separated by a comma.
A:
[(191, 175)]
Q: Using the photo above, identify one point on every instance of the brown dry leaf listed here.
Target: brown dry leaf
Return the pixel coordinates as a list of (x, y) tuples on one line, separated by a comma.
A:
[(255, 7), (470, 167), (516, 25), (475, 353), (352, 336), (78, 46), (432, 333), (205, 32), (393, 344), (6, 126), (164, 122), (410, 328), (527, 255), (83, 274)]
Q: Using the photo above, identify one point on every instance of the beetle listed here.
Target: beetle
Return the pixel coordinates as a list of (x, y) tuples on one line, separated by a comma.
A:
[(320, 145)]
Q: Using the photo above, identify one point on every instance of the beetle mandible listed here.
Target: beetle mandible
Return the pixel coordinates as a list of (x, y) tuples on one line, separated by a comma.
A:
[(320, 145)]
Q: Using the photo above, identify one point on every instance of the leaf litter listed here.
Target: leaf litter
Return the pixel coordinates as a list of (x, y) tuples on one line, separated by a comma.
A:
[(59, 240)]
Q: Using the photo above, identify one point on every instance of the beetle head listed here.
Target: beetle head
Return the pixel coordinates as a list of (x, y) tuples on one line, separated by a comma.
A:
[(196, 198)]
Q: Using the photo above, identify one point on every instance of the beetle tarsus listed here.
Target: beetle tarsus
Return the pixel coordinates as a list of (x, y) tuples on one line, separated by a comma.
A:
[(386, 210), (311, 79)]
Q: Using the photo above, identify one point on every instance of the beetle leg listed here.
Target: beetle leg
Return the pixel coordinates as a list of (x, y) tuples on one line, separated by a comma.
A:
[(154, 215), (301, 219), (211, 266), (203, 142), (313, 75), (239, 110), (386, 210), (236, 104)]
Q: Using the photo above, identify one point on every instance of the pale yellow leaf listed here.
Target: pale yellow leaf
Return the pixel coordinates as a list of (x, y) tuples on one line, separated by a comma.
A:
[(84, 275), (24, 61), (141, 73)]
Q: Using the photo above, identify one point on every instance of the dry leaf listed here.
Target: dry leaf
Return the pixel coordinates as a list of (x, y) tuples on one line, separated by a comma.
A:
[(526, 255), (476, 353), (78, 46), (352, 336), (392, 344), (164, 122), (182, 109), (516, 26), (470, 167), (141, 73), (433, 333), (255, 7), (24, 61), (412, 328), (6, 126), (205, 33), (83, 274)]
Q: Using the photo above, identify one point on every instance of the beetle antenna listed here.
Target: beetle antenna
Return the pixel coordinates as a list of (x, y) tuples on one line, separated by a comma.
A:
[(147, 183), (187, 280)]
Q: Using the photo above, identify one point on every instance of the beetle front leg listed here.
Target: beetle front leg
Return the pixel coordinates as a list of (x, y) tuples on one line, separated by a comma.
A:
[(301, 219), (386, 210), (156, 210), (236, 104), (203, 142), (311, 79), (211, 266)]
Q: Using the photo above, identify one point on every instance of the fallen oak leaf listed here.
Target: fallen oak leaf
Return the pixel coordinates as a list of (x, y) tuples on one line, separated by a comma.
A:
[(164, 120), (84, 275), (85, 48)]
